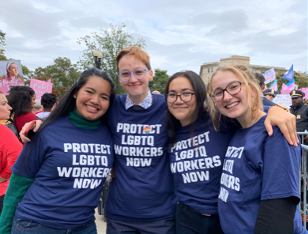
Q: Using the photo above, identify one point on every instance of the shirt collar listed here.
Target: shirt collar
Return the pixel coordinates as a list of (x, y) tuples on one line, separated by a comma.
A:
[(145, 103)]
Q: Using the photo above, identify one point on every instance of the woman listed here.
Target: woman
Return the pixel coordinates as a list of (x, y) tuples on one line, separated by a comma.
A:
[(10, 148), (59, 176), (12, 71), (196, 154), (22, 100), (259, 183)]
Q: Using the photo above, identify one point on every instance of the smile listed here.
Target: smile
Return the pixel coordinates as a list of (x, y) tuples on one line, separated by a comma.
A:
[(92, 108), (232, 105)]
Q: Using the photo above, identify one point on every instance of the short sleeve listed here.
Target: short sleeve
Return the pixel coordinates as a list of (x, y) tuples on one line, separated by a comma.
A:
[(280, 172), (31, 158)]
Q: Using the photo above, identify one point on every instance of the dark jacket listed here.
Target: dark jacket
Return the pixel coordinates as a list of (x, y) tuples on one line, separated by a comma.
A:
[(300, 112), (267, 102)]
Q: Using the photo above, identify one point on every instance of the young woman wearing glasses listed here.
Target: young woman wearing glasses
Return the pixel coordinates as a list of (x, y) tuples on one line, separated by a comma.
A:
[(259, 182)]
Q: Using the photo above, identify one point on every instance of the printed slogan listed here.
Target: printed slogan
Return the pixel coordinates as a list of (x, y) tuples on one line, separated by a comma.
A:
[(230, 181), (191, 159), (88, 161), (138, 143)]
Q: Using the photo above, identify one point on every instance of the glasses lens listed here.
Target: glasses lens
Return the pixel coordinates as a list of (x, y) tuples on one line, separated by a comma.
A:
[(139, 74), (124, 75), (234, 88), (217, 95), (186, 97), (171, 97)]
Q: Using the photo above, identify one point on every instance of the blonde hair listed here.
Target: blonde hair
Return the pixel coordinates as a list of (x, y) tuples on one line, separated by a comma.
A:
[(135, 51), (251, 83)]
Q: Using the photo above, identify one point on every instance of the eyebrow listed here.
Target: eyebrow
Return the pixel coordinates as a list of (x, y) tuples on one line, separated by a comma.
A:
[(94, 90), (185, 89)]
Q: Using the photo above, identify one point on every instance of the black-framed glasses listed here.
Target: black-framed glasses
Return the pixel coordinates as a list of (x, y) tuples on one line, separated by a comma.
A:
[(185, 97), (138, 73), (232, 88)]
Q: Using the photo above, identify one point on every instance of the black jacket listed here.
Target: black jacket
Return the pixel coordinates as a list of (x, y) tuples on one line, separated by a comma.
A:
[(300, 112)]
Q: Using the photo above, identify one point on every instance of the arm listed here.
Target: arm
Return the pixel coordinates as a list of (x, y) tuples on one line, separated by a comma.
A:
[(2, 180), (15, 192), (276, 216), (285, 121), (36, 127)]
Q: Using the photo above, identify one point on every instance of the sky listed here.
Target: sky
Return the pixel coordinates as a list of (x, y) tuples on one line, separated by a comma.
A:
[(179, 34)]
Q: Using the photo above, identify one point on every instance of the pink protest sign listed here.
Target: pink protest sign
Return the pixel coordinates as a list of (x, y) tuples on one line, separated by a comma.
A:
[(285, 92), (40, 87), (305, 90)]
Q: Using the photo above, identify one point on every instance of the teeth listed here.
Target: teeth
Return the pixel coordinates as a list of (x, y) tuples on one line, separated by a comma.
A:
[(232, 105), (92, 108)]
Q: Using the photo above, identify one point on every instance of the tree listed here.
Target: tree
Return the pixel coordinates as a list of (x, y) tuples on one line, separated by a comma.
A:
[(63, 75), (2, 44), (159, 81), (110, 41)]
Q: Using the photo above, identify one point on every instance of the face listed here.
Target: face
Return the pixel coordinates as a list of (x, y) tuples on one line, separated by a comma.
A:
[(182, 111), (13, 70), (296, 101), (33, 101), (235, 106), (269, 97), (92, 100), (5, 109), (136, 89)]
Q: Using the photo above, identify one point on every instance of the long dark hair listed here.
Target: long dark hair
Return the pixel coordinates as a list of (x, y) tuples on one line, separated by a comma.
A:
[(201, 113), (20, 99), (68, 102)]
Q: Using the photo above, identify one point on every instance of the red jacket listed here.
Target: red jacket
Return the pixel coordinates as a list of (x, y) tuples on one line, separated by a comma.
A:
[(10, 148), (24, 118)]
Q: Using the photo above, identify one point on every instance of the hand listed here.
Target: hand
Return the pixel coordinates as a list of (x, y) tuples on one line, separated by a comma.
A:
[(306, 138), (283, 120), (112, 173), (35, 127)]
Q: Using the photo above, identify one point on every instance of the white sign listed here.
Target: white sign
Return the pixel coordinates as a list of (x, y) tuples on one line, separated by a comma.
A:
[(269, 76), (283, 99)]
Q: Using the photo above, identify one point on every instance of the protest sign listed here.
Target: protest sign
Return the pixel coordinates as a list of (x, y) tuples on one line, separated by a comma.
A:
[(269, 76), (40, 87), (10, 75), (283, 99)]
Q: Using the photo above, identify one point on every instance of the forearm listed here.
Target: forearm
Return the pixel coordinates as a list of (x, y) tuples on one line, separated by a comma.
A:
[(17, 188), (276, 216), (2, 180)]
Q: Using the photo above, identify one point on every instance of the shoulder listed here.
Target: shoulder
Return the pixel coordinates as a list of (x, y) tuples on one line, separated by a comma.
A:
[(7, 135)]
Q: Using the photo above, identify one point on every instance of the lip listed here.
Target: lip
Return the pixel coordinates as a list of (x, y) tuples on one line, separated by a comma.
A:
[(235, 103), (90, 110)]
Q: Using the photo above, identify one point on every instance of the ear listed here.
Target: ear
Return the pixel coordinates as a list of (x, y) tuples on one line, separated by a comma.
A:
[(75, 95), (150, 75)]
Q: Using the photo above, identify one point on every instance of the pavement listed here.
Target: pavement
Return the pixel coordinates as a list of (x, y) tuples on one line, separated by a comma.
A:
[(100, 223)]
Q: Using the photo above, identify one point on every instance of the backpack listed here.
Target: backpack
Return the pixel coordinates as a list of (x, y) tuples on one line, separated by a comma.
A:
[(11, 125)]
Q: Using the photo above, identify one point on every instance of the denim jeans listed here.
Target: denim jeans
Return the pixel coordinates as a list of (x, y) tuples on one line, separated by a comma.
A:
[(189, 221), (22, 226)]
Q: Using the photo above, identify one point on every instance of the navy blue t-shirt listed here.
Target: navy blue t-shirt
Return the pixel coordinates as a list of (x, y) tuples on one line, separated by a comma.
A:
[(256, 167), (143, 189), (69, 166), (196, 163)]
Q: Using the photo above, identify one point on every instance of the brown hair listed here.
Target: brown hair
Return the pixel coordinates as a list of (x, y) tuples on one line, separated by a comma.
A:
[(243, 73), (135, 51)]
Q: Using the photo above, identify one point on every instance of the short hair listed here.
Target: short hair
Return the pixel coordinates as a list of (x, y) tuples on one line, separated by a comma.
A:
[(251, 83), (48, 100), (37, 106), (20, 99), (135, 51), (260, 78)]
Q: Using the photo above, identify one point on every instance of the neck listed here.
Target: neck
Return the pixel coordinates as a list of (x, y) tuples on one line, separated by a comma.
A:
[(47, 110), (138, 99), (82, 122), (250, 118)]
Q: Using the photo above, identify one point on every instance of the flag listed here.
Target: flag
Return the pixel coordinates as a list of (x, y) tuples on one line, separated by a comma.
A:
[(274, 86), (269, 76), (289, 75)]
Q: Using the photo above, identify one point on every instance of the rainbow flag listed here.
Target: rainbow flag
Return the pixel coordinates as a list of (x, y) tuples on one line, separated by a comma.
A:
[(147, 130)]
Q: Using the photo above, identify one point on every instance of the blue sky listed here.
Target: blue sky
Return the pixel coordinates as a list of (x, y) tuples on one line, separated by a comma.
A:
[(180, 34)]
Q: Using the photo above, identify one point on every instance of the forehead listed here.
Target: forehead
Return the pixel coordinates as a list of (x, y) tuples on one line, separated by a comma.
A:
[(130, 62), (2, 97), (98, 84), (223, 78), (13, 65), (180, 83)]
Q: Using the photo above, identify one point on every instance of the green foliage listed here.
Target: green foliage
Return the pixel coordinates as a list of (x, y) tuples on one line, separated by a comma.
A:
[(301, 80), (110, 41), (2, 43), (159, 81), (63, 75)]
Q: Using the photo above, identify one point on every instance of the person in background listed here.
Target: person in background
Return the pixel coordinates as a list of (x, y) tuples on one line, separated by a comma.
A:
[(269, 94), (10, 148), (12, 71), (260, 78), (48, 102), (38, 108), (299, 109), (259, 182), (58, 178), (22, 100)]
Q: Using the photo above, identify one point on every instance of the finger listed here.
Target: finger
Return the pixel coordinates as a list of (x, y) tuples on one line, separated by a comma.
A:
[(268, 127), (23, 138), (37, 125), (292, 131), (287, 134)]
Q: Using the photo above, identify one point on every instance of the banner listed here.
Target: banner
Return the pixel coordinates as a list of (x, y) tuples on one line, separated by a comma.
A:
[(269, 76), (286, 91), (289, 75), (305, 90), (283, 100), (10, 75), (274, 86), (40, 87)]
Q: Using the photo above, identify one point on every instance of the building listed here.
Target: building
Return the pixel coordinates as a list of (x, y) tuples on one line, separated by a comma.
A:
[(207, 69)]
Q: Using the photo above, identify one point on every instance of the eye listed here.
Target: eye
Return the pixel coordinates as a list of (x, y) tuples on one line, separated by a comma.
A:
[(172, 95), (88, 91), (218, 92), (139, 72), (105, 98), (125, 74), (186, 94)]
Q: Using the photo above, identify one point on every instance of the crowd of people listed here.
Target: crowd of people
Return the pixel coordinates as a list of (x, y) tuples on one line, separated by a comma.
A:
[(188, 161)]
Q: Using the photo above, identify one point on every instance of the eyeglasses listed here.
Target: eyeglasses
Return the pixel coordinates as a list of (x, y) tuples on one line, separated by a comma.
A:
[(185, 97), (138, 73), (232, 88)]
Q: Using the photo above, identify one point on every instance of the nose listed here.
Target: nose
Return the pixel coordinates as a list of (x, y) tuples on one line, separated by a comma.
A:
[(9, 107), (132, 78), (178, 100), (227, 95), (95, 99)]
